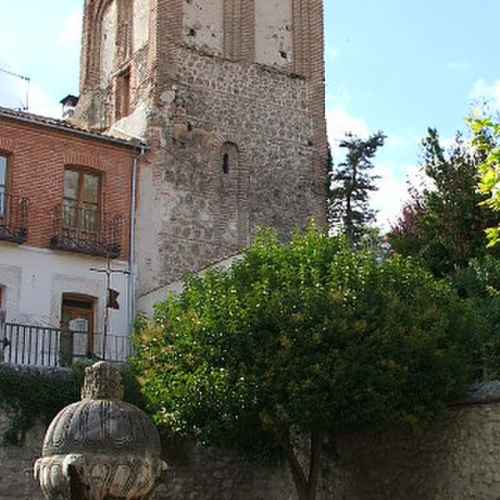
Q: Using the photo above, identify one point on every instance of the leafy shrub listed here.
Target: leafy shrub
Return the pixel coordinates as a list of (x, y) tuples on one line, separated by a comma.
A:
[(309, 337), (33, 395), (479, 285)]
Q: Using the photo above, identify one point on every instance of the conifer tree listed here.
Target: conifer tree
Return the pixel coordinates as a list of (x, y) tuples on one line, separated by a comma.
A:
[(352, 182)]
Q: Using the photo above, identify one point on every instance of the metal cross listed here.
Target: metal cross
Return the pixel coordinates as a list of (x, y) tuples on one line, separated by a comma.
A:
[(109, 271)]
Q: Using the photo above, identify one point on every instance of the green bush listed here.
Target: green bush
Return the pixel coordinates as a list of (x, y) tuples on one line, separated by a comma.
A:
[(32, 395), (479, 285), (487, 140), (309, 337)]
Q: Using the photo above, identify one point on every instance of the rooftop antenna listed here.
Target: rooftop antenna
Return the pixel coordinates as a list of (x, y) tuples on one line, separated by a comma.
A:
[(25, 79)]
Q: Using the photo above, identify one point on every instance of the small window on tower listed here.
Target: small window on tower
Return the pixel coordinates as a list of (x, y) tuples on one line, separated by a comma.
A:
[(123, 95), (229, 157)]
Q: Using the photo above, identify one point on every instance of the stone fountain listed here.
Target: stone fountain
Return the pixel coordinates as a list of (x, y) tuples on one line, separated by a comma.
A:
[(100, 448)]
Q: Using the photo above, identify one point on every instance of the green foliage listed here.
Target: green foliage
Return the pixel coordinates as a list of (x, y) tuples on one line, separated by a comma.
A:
[(33, 395), (444, 226), (487, 140), (309, 336), (479, 285), (352, 181)]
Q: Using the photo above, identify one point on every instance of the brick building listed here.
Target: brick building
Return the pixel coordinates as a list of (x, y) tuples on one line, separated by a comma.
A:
[(65, 207), (229, 96)]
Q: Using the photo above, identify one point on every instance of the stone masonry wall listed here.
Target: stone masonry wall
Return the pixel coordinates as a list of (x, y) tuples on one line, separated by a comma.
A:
[(16, 464), (459, 459), (229, 96), (116, 41), (200, 213)]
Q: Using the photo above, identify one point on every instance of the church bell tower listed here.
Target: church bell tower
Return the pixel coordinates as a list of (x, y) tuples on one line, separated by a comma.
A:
[(229, 96)]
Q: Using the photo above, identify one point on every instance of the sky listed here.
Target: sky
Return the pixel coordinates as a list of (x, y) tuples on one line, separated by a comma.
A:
[(394, 65)]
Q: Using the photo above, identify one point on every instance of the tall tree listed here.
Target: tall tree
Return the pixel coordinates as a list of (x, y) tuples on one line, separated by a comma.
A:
[(487, 140), (303, 340), (444, 225), (352, 183)]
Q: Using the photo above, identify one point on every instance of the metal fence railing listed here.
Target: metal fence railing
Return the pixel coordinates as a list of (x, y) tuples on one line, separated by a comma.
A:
[(29, 345), (13, 218), (88, 231)]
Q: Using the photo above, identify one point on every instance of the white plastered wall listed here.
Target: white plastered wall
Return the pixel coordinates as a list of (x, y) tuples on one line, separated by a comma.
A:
[(35, 280), (108, 42), (141, 24), (273, 32), (204, 25)]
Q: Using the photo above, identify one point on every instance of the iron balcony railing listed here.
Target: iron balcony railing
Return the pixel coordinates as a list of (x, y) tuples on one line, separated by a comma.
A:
[(28, 345), (86, 230), (13, 218)]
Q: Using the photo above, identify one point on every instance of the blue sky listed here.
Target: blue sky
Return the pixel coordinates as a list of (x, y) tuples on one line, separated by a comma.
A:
[(395, 65)]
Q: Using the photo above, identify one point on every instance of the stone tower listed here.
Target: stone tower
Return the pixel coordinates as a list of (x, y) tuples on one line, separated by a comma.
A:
[(229, 96)]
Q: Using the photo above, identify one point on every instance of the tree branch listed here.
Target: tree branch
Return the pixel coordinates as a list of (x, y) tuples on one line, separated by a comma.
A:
[(298, 475)]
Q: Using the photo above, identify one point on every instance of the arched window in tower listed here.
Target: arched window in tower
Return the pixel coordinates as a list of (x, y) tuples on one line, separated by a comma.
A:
[(232, 193), (230, 157), (140, 24), (203, 25), (116, 31), (225, 163), (124, 35), (109, 31), (274, 32)]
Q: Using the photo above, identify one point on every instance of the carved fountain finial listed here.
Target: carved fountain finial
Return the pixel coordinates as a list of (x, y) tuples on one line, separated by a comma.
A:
[(102, 381), (100, 447)]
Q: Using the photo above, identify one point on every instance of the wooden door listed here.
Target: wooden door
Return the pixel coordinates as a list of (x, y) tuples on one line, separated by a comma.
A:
[(78, 328)]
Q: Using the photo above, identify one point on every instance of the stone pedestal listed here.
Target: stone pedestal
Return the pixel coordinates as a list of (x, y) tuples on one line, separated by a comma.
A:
[(100, 448)]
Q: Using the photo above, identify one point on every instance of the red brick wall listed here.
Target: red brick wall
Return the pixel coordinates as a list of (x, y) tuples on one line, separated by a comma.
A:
[(37, 158)]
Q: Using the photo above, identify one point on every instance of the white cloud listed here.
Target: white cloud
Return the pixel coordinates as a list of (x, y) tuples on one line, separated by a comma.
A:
[(41, 103), (392, 193), (486, 90), (71, 29), (340, 122)]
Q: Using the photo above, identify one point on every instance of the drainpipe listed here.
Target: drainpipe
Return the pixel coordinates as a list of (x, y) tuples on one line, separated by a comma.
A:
[(132, 252), (3, 334)]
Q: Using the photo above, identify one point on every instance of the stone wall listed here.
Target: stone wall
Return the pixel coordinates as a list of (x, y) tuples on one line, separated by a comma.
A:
[(192, 211), (16, 464), (458, 460), (229, 96)]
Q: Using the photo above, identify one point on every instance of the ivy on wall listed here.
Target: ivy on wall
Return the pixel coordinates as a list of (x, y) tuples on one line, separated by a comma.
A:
[(33, 395)]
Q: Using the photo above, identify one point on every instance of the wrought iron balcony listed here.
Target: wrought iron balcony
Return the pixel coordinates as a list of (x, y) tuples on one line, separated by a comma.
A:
[(13, 218), (29, 345), (87, 230)]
